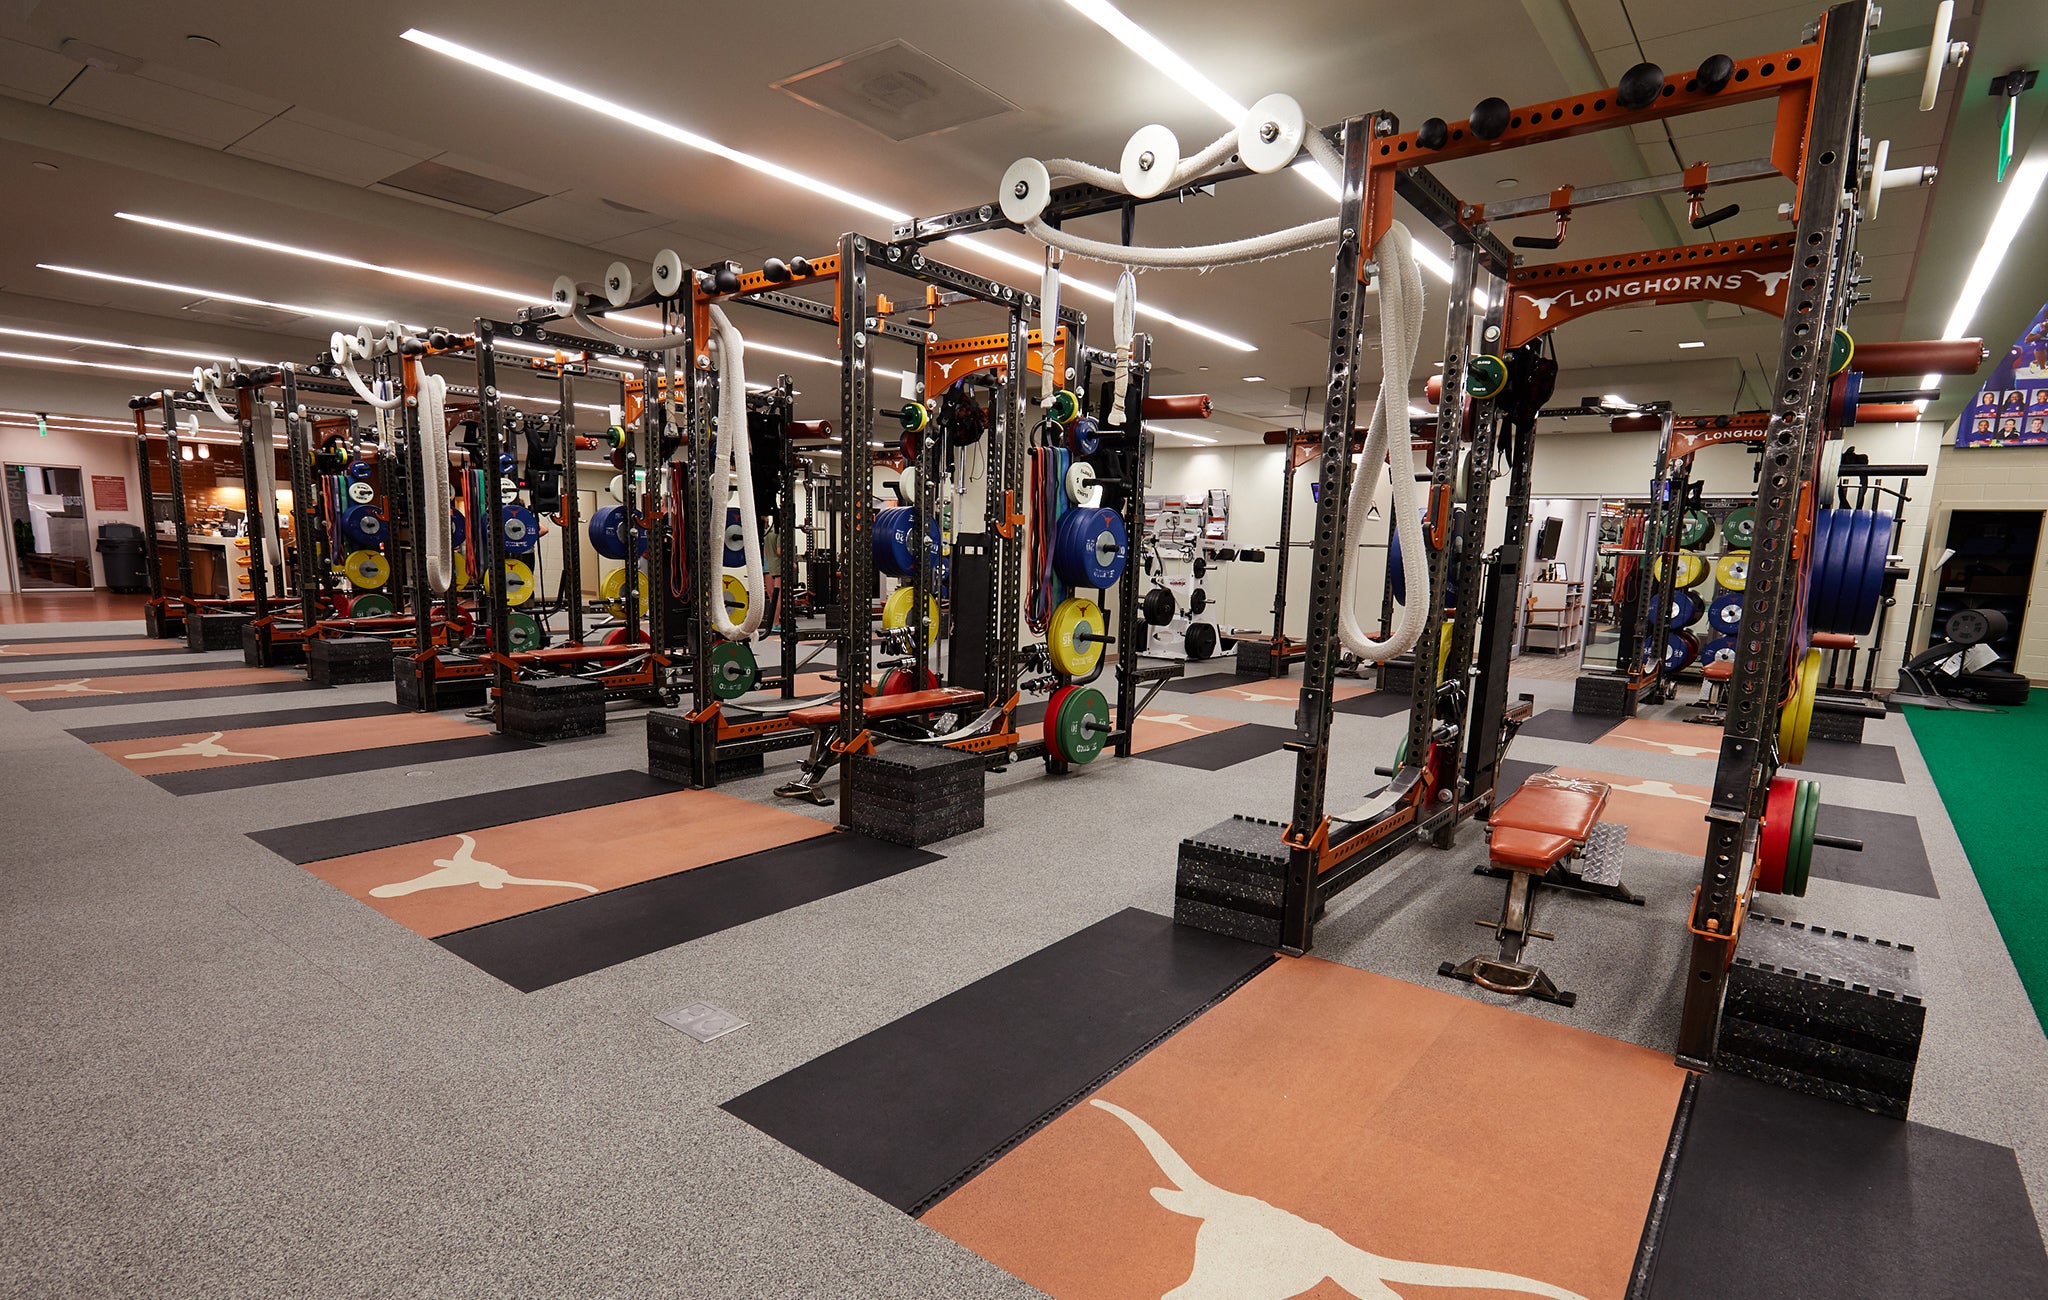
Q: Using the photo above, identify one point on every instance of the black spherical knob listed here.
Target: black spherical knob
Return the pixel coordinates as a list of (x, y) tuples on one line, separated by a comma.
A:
[(1716, 71), (775, 271), (727, 279), (1490, 118), (800, 266), (1433, 133), (1640, 86)]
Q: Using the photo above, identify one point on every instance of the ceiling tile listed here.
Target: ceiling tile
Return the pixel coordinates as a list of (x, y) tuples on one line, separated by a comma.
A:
[(211, 87), (579, 217), (28, 72), (158, 108), (292, 143)]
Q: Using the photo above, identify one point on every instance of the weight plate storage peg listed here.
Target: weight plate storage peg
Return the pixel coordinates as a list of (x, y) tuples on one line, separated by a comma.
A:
[(1074, 636), (374, 604), (1089, 547), (733, 670), (897, 608), (366, 569), (1739, 527), (1725, 614), (1731, 571), (1076, 723), (522, 530)]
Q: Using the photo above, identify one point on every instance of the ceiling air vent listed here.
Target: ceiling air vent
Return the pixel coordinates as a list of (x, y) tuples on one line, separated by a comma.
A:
[(466, 189), (240, 313), (895, 90)]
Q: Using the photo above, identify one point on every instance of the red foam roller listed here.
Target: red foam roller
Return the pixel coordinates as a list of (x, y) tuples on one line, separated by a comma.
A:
[(1918, 357), (1183, 406)]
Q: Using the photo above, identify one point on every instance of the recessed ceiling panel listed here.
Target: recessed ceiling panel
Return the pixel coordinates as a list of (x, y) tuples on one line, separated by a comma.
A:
[(437, 180), (896, 90)]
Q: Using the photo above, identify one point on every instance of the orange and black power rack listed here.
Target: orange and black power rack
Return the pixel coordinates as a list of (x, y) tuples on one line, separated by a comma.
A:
[(1459, 718)]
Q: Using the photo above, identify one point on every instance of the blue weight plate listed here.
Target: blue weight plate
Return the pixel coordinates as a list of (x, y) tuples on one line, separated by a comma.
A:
[(1679, 650), (360, 469), (1719, 650), (605, 538), (1870, 592), (522, 530), (1084, 436), (1089, 547), (1852, 536), (1817, 558), (508, 464), (363, 524), (895, 549), (1397, 575), (735, 540), (458, 528), (1726, 614), (1686, 608)]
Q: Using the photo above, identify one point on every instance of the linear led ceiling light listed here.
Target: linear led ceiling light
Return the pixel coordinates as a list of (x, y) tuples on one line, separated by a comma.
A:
[(2024, 188), (32, 359), (191, 291), (692, 140), (216, 355)]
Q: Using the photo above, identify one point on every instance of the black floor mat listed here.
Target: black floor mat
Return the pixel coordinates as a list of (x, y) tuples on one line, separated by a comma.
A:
[(1221, 749), (1513, 771), (362, 832), (231, 722), (1836, 758), (175, 665), (1563, 724), (1780, 1194), (242, 776), (539, 949), (918, 1106), (1894, 857), (1378, 704), (162, 697), (85, 655), (1196, 683)]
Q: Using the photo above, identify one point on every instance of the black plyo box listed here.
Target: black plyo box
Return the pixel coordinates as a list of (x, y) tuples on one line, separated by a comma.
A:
[(916, 794), (1604, 697), (554, 708), (1232, 880), (215, 630), (345, 660)]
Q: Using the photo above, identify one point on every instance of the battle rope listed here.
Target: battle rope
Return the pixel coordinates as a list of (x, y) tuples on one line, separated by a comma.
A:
[(437, 498)]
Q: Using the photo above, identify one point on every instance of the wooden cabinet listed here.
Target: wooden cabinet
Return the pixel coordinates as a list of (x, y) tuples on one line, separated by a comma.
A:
[(1556, 619)]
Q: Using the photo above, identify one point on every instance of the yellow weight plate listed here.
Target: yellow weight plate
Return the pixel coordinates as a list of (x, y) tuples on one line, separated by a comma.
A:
[(896, 612), (735, 598), (1692, 570), (1074, 621), (1796, 718), (518, 582), (613, 590), (366, 569), (1443, 649), (461, 571), (1731, 571)]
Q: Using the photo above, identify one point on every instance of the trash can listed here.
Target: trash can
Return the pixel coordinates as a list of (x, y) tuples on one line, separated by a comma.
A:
[(121, 547)]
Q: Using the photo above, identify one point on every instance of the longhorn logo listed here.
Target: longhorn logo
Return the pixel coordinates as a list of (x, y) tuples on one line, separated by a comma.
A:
[(1771, 280), (1543, 305), (1658, 789), (207, 748), (1246, 693), (1174, 720), (464, 869), (1247, 1249), (77, 687), (946, 368), (1683, 751)]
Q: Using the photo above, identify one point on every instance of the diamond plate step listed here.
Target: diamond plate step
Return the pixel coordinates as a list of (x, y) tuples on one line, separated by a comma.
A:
[(1606, 846)]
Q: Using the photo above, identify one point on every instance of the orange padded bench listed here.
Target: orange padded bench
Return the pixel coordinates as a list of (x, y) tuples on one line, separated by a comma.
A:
[(882, 707), (1543, 822)]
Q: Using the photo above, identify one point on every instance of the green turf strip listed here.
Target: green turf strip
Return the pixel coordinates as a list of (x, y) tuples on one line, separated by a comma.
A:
[(1986, 766)]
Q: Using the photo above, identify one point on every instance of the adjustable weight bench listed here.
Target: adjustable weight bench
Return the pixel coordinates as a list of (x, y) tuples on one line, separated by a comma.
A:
[(1543, 833), (822, 718)]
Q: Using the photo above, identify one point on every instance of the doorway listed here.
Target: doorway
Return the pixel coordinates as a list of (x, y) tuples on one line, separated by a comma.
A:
[(1990, 566), (47, 528)]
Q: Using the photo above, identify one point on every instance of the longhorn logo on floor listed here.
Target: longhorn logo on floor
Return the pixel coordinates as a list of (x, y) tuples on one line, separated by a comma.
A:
[(464, 869), (1173, 720), (1247, 1249), (77, 687), (207, 748), (1683, 751), (1246, 693), (1657, 789)]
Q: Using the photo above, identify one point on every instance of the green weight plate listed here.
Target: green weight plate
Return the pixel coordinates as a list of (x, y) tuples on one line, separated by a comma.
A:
[(1840, 351), (1739, 527), (733, 671), (525, 631), (1082, 724), (1697, 527), (1401, 752), (1799, 854), (371, 604)]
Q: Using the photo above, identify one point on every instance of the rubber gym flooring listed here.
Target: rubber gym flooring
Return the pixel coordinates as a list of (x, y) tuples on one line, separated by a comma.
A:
[(284, 1036)]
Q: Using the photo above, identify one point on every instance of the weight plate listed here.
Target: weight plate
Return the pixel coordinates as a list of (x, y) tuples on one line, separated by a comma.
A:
[(1795, 720), (1198, 600), (522, 530), (1048, 731), (1065, 406), (1852, 538), (508, 465), (363, 524), (1680, 649), (508, 492), (373, 604), (524, 631), (1397, 573), (458, 528), (518, 582), (1862, 610), (735, 540), (1725, 614), (1840, 352), (1082, 489), (362, 492), (605, 537), (1080, 719), (1485, 376), (1150, 157), (366, 569), (895, 551), (1819, 552), (735, 593), (1695, 529), (1720, 650), (1691, 570), (613, 590), (1739, 527), (1089, 547), (461, 571), (617, 636), (733, 670), (1799, 853), (1084, 437), (899, 681), (1826, 487), (616, 489), (1199, 641), (1686, 608), (897, 608), (359, 470), (1076, 622), (1158, 607), (1774, 841), (1731, 571), (1271, 134)]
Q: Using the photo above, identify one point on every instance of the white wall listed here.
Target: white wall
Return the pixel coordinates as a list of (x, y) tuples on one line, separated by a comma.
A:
[(89, 453)]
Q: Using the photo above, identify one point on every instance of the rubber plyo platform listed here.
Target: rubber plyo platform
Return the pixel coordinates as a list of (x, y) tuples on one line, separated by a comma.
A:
[(1868, 762), (1327, 1125), (1563, 724), (1894, 856), (1779, 1194), (546, 947), (1375, 704), (913, 1108)]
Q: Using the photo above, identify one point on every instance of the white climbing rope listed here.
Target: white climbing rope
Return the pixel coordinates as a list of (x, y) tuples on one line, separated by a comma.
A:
[(437, 496), (1254, 248), (731, 456), (1400, 341)]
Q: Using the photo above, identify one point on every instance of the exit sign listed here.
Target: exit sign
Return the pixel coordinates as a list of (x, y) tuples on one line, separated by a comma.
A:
[(2010, 87)]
